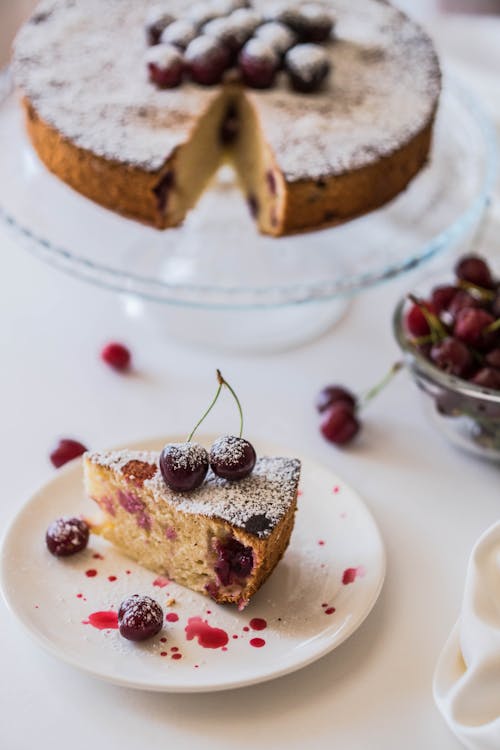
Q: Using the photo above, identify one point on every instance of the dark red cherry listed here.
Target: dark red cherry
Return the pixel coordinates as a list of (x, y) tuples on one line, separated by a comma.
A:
[(461, 301), (314, 22), (207, 60), (493, 358), (416, 322), (232, 458), (141, 619), (309, 66), (126, 603), (441, 298), (156, 22), (452, 356), (487, 378), (66, 450), (258, 64), (333, 394), (116, 356), (184, 466), (474, 270), (166, 66), (471, 324), (67, 536), (339, 424), (234, 561)]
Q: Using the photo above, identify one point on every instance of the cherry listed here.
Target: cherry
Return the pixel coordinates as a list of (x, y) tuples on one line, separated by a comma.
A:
[(67, 536), (116, 356), (207, 60), (441, 298), (452, 356), (183, 466), (179, 33), (277, 35), (487, 377), (333, 394), (166, 66), (66, 450), (126, 603), (416, 322), (234, 561), (258, 64), (232, 458), (157, 21), (461, 301), (470, 325), (339, 424), (314, 22), (493, 358), (141, 619), (474, 270), (308, 65)]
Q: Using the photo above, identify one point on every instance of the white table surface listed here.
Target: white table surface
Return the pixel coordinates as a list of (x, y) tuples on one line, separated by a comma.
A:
[(430, 501)]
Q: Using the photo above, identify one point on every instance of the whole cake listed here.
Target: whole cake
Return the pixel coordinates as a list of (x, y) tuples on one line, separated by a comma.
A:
[(304, 160), (222, 539)]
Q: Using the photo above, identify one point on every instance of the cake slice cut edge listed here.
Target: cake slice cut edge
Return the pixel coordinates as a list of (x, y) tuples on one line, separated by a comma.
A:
[(222, 540)]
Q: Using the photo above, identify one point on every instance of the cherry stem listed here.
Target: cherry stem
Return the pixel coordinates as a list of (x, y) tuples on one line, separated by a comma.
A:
[(481, 292), (222, 383), (214, 401), (232, 392), (493, 327), (373, 392), (438, 331)]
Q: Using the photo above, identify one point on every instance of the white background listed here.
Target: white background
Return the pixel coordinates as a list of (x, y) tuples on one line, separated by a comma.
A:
[(430, 501)]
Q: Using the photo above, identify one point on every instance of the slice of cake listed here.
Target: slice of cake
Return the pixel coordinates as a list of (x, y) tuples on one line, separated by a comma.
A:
[(223, 539)]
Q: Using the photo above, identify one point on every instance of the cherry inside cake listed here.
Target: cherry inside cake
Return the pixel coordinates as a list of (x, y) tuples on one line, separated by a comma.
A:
[(223, 539)]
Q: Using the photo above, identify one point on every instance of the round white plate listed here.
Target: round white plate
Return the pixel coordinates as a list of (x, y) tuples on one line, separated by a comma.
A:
[(320, 593)]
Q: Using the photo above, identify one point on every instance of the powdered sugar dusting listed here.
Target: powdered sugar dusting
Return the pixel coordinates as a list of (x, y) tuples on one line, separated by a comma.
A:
[(83, 71), (256, 504)]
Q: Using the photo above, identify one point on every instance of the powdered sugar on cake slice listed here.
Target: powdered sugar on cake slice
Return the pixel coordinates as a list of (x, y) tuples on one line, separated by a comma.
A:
[(256, 504)]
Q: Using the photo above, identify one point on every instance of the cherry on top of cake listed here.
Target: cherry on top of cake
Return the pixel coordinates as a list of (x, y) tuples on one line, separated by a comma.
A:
[(231, 38)]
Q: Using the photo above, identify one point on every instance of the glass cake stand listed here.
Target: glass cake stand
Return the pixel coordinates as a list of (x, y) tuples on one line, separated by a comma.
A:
[(216, 280)]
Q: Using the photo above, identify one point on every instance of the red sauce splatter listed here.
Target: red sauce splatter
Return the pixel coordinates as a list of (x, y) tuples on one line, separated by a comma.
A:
[(79, 596), (336, 490), (299, 493), (91, 573), (172, 617), (324, 605), (161, 582), (321, 542), (224, 648), (257, 623), (176, 656), (128, 572), (350, 574), (209, 611), (37, 606), (330, 611), (103, 620), (163, 640), (97, 556), (235, 636), (174, 649), (196, 666), (111, 578), (163, 653), (257, 642), (207, 636), (246, 629)]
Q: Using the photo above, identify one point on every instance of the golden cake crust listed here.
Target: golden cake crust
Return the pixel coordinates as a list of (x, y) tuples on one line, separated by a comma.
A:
[(98, 124)]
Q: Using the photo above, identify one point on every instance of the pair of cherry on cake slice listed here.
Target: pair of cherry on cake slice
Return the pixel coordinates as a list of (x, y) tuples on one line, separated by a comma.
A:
[(219, 532), (215, 37)]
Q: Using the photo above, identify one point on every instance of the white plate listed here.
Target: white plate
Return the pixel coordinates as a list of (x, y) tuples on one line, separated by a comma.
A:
[(53, 598)]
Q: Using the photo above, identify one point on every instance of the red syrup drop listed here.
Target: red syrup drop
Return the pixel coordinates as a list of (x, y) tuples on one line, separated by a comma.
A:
[(161, 582), (350, 574), (176, 656), (103, 620), (172, 617), (246, 629), (163, 653), (336, 490), (330, 611), (174, 649), (163, 640), (321, 542), (91, 573), (257, 642), (257, 623), (111, 579), (97, 556), (208, 637), (79, 596)]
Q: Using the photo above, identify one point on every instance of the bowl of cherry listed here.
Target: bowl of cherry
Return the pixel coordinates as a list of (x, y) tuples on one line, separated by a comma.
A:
[(450, 339)]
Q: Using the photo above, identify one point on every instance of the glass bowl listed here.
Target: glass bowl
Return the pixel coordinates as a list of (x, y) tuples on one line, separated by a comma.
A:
[(216, 281), (468, 415)]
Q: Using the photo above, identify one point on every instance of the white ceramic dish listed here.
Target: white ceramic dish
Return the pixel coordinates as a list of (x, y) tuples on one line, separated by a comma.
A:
[(310, 603)]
